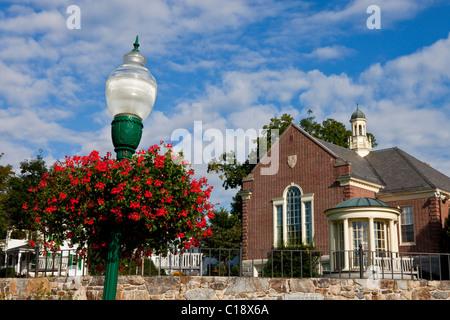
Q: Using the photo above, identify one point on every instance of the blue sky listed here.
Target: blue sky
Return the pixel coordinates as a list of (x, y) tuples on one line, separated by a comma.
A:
[(231, 65)]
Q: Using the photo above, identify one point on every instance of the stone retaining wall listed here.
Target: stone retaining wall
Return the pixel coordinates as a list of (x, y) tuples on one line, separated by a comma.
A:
[(223, 288)]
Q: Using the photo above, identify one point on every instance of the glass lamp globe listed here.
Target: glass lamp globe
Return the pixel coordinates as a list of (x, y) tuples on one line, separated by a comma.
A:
[(131, 88)]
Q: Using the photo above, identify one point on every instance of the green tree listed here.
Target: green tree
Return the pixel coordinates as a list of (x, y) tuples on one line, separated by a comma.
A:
[(5, 174), (230, 171), (226, 231), (226, 234), (330, 130), (31, 172)]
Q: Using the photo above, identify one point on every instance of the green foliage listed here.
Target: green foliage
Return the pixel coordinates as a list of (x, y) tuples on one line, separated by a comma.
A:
[(226, 231), (292, 261), (330, 130), (31, 172), (230, 171), (134, 267), (7, 273), (446, 236), (5, 174)]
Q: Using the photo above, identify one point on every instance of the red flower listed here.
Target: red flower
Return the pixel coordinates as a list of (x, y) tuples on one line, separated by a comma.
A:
[(158, 183), (148, 194), (100, 185), (134, 216), (74, 192), (134, 205)]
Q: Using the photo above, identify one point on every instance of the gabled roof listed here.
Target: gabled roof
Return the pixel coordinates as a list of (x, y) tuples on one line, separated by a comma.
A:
[(360, 168), (402, 172), (393, 168)]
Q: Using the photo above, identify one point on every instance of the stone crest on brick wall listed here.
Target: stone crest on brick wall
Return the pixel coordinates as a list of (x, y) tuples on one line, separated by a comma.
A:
[(292, 160)]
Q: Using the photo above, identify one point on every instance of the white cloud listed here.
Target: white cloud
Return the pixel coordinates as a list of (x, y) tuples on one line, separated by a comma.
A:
[(344, 18), (34, 23), (335, 52), (418, 78)]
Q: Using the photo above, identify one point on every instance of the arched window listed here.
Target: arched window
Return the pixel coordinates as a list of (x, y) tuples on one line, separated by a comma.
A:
[(293, 216)]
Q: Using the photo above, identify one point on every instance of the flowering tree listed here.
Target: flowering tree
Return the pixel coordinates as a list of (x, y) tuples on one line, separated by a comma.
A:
[(152, 198)]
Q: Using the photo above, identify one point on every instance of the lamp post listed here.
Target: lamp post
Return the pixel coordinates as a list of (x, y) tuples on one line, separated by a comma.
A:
[(130, 95)]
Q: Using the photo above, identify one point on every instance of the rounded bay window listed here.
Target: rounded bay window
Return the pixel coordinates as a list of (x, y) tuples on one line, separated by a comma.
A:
[(365, 223)]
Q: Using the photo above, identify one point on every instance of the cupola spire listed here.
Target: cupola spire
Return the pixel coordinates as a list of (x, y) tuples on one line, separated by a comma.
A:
[(359, 142)]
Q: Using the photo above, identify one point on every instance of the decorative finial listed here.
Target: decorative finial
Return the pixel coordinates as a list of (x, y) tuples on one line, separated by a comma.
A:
[(357, 107), (136, 44)]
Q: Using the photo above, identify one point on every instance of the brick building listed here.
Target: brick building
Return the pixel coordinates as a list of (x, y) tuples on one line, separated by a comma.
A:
[(339, 198)]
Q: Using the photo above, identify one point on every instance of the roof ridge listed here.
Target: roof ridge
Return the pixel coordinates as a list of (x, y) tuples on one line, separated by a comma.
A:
[(315, 140), (363, 158), (414, 167)]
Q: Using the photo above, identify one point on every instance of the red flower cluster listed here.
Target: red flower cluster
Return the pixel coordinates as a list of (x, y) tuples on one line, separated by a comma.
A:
[(150, 198)]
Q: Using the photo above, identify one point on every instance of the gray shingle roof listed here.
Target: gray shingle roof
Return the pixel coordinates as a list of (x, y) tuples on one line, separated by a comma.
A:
[(402, 172), (394, 169), (360, 168)]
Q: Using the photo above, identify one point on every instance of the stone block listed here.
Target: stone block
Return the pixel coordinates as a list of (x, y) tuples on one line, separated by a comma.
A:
[(161, 284), (200, 294), (303, 296), (280, 285), (302, 285), (237, 285), (421, 294)]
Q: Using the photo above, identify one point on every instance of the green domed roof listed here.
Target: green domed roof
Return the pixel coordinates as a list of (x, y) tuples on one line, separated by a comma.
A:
[(358, 113), (362, 202)]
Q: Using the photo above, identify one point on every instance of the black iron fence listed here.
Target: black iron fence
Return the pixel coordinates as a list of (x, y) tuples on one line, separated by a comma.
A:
[(238, 262)]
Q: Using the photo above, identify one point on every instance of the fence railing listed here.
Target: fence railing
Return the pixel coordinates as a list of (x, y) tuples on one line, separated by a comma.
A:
[(238, 262), (36, 263)]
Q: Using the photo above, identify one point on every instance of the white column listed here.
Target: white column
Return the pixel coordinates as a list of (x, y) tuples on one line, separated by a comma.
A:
[(347, 240), (332, 244), (393, 236), (371, 237), (19, 257)]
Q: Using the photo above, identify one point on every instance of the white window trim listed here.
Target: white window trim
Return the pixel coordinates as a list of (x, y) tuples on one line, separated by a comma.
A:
[(309, 197)]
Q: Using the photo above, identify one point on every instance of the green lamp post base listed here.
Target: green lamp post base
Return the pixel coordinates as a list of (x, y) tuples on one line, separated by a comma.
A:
[(112, 265), (126, 131)]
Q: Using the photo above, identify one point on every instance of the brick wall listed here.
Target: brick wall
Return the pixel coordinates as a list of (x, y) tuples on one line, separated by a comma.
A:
[(427, 223), (315, 172)]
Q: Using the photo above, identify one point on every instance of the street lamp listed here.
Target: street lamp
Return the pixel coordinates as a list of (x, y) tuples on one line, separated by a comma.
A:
[(130, 95)]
